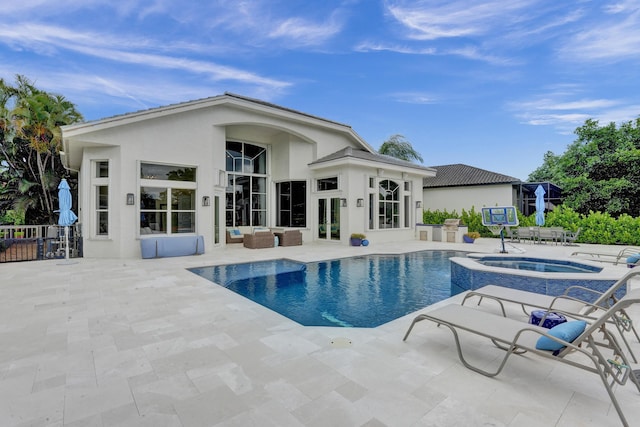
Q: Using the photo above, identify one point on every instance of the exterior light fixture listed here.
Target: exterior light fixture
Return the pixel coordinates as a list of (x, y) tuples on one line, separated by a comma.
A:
[(343, 203), (419, 204), (206, 201), (360, 203), (131, 199)]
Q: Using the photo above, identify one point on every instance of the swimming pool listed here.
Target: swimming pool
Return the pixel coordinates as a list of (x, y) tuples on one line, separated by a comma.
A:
[(539, 264), (364, 291)]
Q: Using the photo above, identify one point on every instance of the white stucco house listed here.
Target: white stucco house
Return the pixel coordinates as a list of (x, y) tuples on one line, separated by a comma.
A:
[(199, 167), (458, 186)]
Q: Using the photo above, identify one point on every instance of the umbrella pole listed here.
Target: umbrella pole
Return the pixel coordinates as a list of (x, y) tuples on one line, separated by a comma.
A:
[(66, 242)]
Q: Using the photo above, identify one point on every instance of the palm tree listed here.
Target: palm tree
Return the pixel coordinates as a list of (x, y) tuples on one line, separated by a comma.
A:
[(30, 142), (397, 146)]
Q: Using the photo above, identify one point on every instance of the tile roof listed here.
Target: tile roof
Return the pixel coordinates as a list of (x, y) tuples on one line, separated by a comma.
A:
[(459, 175)]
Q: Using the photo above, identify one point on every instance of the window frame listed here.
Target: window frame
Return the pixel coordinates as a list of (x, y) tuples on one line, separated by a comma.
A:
[(170, 186), (99, 212)]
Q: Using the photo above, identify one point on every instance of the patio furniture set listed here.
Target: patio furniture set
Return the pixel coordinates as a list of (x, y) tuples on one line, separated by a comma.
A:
[(543, 235), (261, 237)]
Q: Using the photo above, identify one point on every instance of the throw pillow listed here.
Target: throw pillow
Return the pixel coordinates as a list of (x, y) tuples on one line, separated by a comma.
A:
[(567, 331)]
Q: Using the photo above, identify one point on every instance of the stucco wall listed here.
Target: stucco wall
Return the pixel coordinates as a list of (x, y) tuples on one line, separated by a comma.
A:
[(459, 198)]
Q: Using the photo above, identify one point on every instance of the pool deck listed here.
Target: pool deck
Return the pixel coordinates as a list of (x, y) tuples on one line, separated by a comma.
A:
[(147, 343)]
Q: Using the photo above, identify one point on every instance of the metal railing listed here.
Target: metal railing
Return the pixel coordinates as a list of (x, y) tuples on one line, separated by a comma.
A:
[(38, 242)]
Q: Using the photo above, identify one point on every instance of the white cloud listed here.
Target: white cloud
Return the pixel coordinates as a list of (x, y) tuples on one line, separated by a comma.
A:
[(129, 51), (301, 32), (445, 19), (414, 98), (611, 37), (564, 111)]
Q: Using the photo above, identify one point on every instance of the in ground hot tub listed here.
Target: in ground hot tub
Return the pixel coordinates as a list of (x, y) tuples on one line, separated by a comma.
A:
[(542, 275)]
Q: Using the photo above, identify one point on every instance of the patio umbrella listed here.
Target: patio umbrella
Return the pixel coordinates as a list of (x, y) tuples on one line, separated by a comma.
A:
[(67, 217), (540, 205)]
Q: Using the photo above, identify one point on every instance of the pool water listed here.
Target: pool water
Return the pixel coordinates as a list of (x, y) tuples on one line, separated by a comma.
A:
[(365, 291), (541, 265)]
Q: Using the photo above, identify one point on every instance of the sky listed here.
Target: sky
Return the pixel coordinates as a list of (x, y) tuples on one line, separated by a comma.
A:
[(492, 84)]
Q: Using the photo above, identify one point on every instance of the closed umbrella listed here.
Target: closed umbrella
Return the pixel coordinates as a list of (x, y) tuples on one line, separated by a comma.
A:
[(67, 217), (540, 205)]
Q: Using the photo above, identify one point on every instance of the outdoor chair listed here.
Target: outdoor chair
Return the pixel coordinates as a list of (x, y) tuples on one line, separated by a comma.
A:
[(234, 235), (259, 240), (570, 237), (615, 259), (527, 233), (565, 303), (600, 350), (289, 237)]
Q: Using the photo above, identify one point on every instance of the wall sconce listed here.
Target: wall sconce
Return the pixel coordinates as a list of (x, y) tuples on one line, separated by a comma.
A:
[(131, 199), (206, 201), (360, 203), (418, 204), (343, 203)]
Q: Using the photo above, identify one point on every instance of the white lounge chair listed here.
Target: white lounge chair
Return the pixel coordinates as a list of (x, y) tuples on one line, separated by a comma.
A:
[(619, 258), (565, 303), (517, 337)]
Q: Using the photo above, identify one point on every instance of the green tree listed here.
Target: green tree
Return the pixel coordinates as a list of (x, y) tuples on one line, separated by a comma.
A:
[(30, 142), (397, 146), (600, 171)]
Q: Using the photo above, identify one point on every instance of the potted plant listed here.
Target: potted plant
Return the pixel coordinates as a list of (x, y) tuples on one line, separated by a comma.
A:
[(470, 237), (18, 234), (356, 239)]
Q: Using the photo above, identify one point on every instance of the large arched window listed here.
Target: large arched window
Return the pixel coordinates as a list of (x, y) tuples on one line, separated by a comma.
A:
[(246, 195), (388, 204)]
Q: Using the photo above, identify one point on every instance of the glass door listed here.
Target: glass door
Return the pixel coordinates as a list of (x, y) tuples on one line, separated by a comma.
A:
[(329, 219)]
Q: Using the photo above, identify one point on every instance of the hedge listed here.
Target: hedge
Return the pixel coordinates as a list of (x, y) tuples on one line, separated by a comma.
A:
[(596, 227)]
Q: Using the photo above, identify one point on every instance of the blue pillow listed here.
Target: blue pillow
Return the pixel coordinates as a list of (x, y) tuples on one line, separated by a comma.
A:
[(235, 232), (633, 259), (567, 331)]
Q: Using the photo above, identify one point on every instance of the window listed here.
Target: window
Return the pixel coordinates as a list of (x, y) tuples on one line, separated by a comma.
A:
[(246, 193), (167, 172), (326, 184), (389, 204), (167, 199), (291, 204), (100, 184)]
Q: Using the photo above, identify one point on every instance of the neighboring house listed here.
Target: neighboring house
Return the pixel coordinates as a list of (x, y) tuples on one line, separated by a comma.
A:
[(457, 187), (198, 167)]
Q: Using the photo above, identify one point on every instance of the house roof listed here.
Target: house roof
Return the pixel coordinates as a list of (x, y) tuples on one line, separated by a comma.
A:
[(75, 131), (366, 156), (463, 175)]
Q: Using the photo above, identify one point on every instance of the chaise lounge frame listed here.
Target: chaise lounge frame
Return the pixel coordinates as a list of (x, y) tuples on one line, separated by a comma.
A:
[(514, 337), (564, 304), (615, 259)]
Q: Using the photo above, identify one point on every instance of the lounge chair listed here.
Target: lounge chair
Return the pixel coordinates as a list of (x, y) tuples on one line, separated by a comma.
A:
[(517, 337), (619, 258), (565, 303)]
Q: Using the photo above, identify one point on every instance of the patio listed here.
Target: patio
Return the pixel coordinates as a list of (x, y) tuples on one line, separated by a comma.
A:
[(147, 343)]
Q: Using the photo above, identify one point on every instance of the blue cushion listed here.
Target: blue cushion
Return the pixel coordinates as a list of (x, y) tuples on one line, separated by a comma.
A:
[(235, 232), (633, 259), (567, 331)]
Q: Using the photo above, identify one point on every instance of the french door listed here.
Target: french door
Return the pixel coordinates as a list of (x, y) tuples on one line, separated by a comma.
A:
[(329, 219)]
